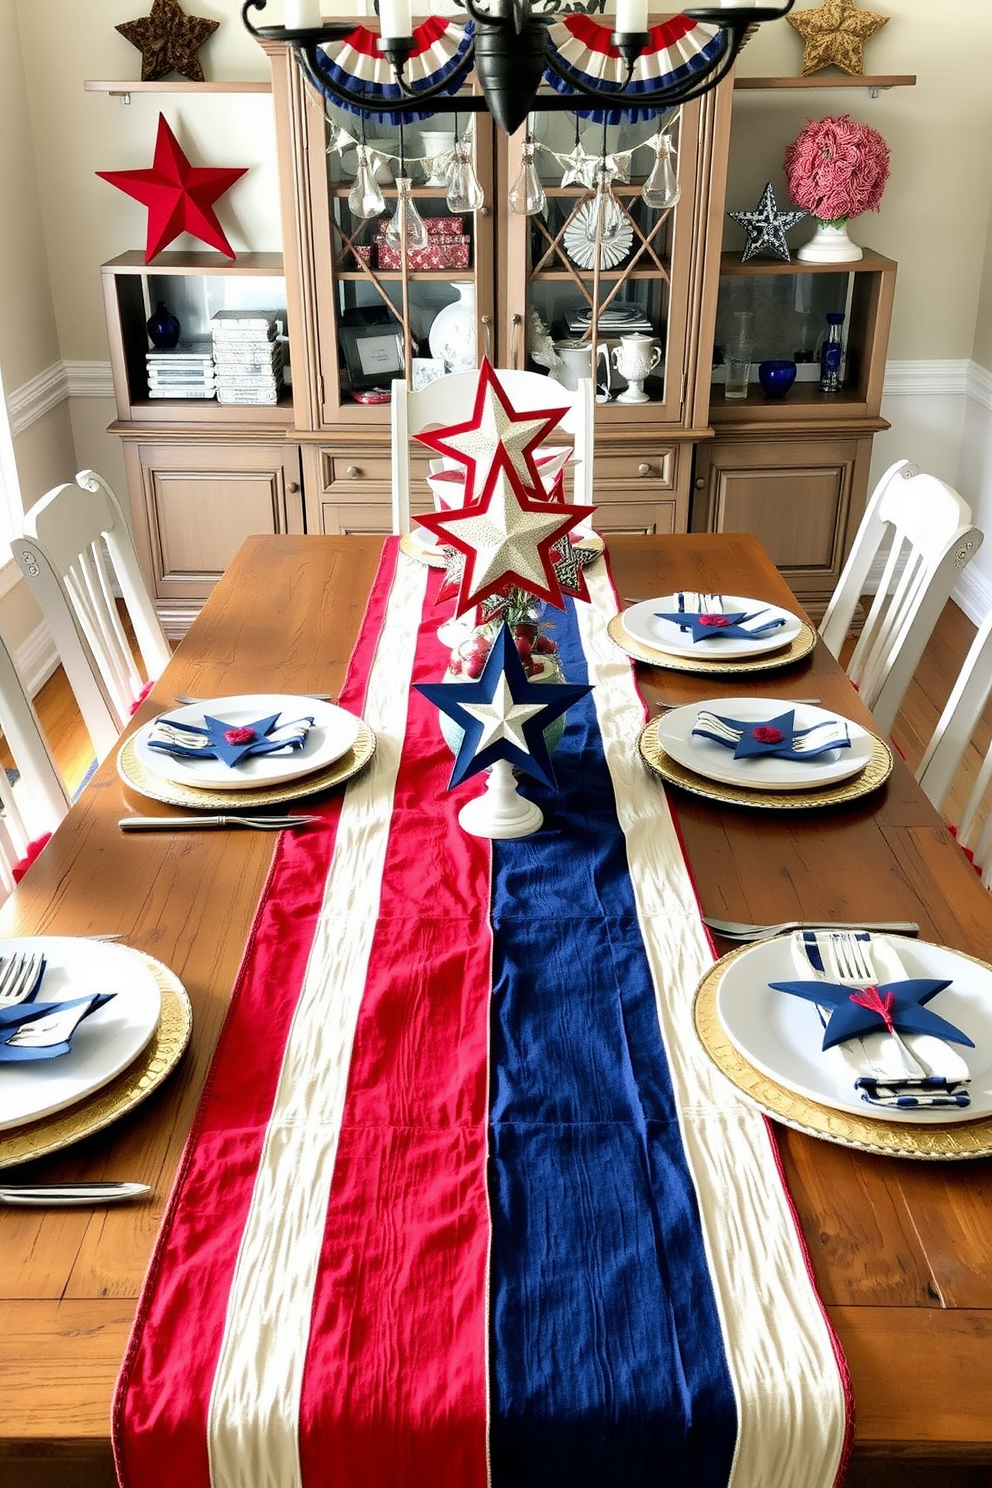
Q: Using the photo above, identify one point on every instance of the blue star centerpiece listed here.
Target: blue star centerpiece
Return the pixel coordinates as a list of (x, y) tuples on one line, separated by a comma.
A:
[(720, 626), (503, 714), (778, 737), (892, 1006), (766, 227)]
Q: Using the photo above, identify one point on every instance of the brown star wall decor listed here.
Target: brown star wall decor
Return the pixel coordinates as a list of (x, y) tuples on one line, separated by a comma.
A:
[(834, 34), (169, 41)]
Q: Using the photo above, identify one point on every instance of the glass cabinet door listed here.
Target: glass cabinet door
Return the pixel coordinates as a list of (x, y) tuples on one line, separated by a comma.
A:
[(404, 283), (637, 284)]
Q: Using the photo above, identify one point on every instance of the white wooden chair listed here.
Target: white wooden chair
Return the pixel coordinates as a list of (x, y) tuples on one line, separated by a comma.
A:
[(918, 531), (450, 400), (61, 553), (951, 740), (38, 801)]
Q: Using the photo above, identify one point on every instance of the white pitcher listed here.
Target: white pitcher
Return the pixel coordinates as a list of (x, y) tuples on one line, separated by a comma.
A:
[(576, 362), (635, 359)]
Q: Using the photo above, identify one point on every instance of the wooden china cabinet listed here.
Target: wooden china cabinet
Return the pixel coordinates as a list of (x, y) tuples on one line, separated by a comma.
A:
[(202, 476)]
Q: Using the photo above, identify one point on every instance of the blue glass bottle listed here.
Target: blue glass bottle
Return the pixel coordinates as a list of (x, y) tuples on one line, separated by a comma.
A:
[(163, 328), (830, 354)]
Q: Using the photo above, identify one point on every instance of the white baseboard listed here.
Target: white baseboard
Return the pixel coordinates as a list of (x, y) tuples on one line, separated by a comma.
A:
[(36, 659), (973, 594)]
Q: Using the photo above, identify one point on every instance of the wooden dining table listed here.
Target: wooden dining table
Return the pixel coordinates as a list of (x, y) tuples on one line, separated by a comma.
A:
[(901, 1250)]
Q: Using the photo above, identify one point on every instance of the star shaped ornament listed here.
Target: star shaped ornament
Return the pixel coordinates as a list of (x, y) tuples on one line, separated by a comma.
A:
[(579, 168), (179, 196), (834, 35), (495, 432), (504, 714), (766, 227), (507, 538), (168, 40)]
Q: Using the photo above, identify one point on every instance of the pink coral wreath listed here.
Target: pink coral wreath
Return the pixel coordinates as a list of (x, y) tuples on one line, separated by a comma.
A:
[(837, 168)]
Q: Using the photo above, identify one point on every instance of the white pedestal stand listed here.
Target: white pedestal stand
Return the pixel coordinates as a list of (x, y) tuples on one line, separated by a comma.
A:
[(830, 244), (500, 812)]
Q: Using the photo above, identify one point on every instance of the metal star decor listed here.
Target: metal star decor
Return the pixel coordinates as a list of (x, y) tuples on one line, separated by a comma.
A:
[(504, 714), (834, 35), (168, 40), (507, 538), (766, 227), (178, 195), (495, 432), (890, 1005)]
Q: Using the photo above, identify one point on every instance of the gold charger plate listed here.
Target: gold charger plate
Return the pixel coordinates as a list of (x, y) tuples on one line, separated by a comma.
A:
[(421, 555), (800, 646), (157, 1060), (136, 774), (929, 1143), (874, 774)]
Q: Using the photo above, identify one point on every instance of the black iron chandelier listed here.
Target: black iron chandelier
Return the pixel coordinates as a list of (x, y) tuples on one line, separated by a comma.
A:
[(507, 48)]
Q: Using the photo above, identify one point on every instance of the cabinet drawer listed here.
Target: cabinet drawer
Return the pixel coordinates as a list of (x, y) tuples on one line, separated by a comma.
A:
[(356, 473), (653, 518), (655, 468)]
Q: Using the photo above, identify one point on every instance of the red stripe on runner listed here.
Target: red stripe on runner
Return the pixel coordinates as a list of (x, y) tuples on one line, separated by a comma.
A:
[(164, 1389), (395, 1384)]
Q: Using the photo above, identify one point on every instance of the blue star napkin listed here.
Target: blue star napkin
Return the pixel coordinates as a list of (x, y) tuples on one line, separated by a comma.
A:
[(715, 625), (228, 742), (777, 737), (44, 1030), (856, 1011)]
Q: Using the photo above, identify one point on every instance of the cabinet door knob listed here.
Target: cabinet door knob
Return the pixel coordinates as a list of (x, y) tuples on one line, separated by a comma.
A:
[(293, 487), (644, 468), (700, 482), (353, 472)]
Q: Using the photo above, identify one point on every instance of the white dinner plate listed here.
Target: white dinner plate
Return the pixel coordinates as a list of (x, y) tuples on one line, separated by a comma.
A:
[(641, 622), (103, 1044), (782, 1036), (331, 735), (763, 772)]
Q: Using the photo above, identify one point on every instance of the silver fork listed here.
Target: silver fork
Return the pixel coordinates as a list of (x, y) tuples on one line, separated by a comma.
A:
[(848, 961), (20, 977), (185, 823)]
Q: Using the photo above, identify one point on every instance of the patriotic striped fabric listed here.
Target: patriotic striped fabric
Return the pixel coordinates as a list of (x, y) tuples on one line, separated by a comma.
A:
[(465, 1204)]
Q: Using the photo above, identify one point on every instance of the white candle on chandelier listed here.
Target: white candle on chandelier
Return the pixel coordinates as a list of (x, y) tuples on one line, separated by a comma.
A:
[(301, 15), (394, 18), (632, 17)]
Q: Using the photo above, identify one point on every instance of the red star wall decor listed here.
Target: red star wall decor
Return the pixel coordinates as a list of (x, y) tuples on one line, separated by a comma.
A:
[(168, 41), (179, 196)]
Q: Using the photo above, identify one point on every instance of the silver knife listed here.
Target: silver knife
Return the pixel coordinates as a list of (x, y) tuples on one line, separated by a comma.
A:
[(99, 1191)]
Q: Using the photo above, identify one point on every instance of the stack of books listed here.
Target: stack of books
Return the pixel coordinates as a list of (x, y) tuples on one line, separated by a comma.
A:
[(248, 362), (184, 371)]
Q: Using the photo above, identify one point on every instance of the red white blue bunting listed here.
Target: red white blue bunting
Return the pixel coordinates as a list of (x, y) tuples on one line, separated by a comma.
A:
[(357, 64)]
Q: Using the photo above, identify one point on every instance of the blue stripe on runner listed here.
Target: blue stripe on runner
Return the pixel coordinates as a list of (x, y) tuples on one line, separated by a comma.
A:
[(607, 1364)]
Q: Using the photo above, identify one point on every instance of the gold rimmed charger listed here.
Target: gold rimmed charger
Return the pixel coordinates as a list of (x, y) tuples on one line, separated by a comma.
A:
[(929, 1143), (148, 783), (156, 1061), (800, 645), (432, 558), (874, 774)]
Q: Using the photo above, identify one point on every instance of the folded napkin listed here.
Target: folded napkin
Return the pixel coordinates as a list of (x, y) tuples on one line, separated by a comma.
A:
[(228, 742), (44, 1030), (704, 616), (884, 1036), (777, 737)]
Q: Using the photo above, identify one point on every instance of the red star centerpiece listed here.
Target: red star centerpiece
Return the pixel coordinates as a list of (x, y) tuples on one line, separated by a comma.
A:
[(495, 431), (179, 196), (507, 537)]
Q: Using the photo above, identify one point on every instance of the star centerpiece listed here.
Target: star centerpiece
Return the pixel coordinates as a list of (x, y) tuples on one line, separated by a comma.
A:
[(503, 714), (766, 227)]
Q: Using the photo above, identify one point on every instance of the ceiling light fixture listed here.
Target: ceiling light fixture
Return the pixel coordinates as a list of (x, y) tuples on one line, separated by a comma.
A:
[(510, 50)]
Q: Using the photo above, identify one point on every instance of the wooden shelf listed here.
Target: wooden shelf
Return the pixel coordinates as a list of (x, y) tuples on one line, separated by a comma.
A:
[(869, 263), (875, 83), (176, 262), (122, 89)]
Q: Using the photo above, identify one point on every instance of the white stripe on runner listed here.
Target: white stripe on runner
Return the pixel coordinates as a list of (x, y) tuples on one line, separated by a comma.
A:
[(790, 1396), (252, 1426)]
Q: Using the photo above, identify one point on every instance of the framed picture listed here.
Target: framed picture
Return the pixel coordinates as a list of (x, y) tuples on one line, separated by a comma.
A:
[(424, 370), (373, 355)]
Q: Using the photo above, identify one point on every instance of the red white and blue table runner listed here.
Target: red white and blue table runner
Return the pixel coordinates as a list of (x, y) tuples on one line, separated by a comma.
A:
[(465, 1203)]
